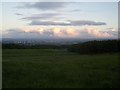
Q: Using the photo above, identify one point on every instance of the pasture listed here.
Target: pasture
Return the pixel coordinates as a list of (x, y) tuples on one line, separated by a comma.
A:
[(52, 68)]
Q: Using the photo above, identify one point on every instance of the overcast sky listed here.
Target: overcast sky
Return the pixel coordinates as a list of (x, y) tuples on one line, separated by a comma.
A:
[(59, 20)]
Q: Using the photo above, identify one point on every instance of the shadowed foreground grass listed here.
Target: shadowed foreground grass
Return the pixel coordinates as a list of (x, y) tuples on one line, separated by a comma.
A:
[(36, 68)]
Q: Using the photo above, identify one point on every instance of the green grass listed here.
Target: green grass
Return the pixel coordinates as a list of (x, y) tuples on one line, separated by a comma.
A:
[(36, 68)]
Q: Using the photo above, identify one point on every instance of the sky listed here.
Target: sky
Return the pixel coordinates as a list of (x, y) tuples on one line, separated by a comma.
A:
[(81, 20)]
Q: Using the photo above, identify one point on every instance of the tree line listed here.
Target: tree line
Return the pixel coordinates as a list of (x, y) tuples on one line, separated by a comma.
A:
[(98, 46), (37, 46)]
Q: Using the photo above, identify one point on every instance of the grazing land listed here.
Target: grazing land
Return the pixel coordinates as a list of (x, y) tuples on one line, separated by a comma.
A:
[(52, 68)]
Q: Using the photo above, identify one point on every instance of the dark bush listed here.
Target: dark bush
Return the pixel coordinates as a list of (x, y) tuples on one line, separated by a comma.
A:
[(96, 47)]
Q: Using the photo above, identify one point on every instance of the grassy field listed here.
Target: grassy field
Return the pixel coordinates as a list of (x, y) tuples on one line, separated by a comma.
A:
[(36, 68)]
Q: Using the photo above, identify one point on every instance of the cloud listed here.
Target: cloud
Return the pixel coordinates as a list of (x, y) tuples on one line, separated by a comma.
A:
[(83, 22), (68, 23), (113, 31), (97, 33), (62, 23), (55, 32), (68, 32), (18, 14), (44, 5), (41, 16), (58, 32)]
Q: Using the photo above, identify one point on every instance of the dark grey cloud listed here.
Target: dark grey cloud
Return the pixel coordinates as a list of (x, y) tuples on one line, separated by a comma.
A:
[(77, 23), (44, 5), (14, 30), (41, 16), (71, 23), (18, 14), (114, 33), (48, 23)]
